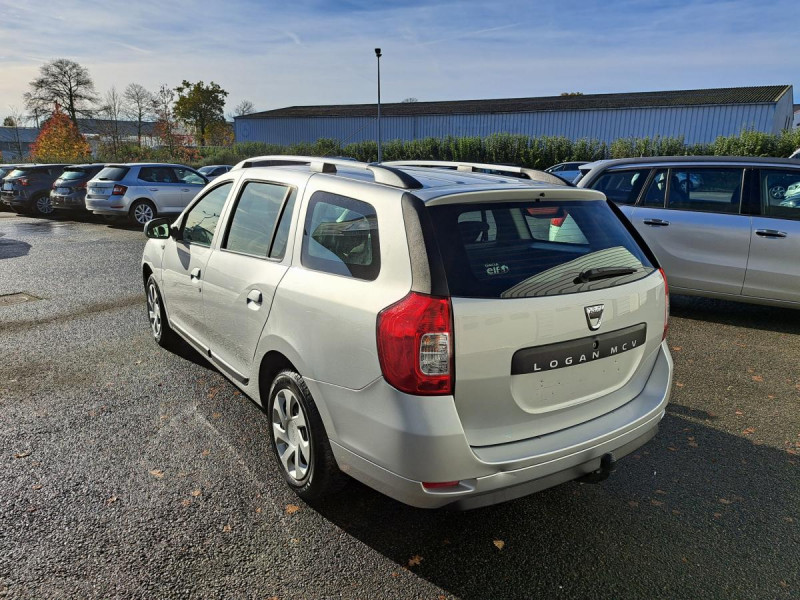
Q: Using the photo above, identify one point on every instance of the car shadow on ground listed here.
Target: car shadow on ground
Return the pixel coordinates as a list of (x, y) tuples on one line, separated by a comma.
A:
[(11, 248), (674, 521), (753, 316)]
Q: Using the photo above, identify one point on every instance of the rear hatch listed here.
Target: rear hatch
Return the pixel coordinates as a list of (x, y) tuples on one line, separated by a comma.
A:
[(103, 183), (557, 314), (16, 180), (71, 180)]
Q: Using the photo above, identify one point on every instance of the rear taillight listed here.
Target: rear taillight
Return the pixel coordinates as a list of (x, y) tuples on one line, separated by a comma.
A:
[(82, 186), (415, 345), (666, 304), (23, 181), (119, 190)]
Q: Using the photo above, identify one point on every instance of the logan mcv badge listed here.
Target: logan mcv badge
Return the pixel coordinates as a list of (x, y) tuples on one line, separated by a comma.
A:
[(594, 316)]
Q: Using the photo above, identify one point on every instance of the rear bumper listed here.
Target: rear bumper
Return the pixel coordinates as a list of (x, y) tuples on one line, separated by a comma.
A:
[(407, 440), (69, 202), (14, 199), (113, 205)]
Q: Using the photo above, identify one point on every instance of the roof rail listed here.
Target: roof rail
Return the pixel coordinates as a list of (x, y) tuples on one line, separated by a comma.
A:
[(469, 167), (384, 174)]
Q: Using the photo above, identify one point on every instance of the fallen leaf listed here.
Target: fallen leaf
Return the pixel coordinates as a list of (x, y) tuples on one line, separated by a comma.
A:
[(138, 362), (693, 444), (633, 503), (445, 542), (258, 510), (185, 502), (672, 448), (499, 544), (22, 454), (216, 415), (717, 515), (36, 486), (662, 492), (196, 493), (679, 384), (675, 511), (237, 393), (111, 500), (164, 417), (724, 501), (788, 519), (414, 560), (212, 393), (158, 473), (676, 348), (655, 502), (740, 413), (205, 453), (758, 378), (395, 574), (226, 529), (749, 430), (783, 584), (291, 509)]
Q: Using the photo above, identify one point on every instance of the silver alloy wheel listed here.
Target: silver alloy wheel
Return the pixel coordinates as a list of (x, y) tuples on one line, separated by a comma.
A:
[(154, 310), (44, 206), (143, 213), (777, 192), (290, 429)]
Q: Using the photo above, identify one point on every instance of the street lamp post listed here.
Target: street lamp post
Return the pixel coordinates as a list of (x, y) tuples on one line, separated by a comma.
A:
[(378, 55)]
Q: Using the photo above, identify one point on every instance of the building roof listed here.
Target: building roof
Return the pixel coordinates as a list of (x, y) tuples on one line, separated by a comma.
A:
[(740, 95), (27, 135), (125, 128)]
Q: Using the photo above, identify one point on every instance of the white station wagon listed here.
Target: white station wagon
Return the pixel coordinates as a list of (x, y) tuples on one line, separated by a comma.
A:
[(442, 334)]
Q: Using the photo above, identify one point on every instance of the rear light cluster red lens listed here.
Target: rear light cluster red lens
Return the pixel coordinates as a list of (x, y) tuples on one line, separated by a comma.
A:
[(666, 304), (119, 190), (81, 186), (415, 345), (23, 181)]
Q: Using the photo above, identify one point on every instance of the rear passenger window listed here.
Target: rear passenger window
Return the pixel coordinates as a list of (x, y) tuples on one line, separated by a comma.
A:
[(622, 187), (201, 221), (780, 193), (254, 218), (340, 236), (706, 190)]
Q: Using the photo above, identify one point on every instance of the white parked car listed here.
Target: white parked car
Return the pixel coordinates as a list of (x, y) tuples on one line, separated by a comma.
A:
[(444, 336)]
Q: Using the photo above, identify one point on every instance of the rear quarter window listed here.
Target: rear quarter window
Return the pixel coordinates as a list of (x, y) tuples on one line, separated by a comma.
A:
[(529, 249)]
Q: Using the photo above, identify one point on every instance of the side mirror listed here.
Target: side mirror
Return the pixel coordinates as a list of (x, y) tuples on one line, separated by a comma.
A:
[(158, 229)]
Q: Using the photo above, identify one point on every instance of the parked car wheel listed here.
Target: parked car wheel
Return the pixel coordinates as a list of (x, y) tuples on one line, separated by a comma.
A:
[(43, 206), (142, 211), (157, 316), (777, 192), (299, 440)]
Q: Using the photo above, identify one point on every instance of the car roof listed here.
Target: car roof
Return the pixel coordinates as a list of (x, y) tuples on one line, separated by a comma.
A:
[(429, 182), (146, 164), (660, 160)]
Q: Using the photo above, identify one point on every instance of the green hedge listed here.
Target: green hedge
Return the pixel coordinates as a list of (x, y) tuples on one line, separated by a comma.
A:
[(504, 148)]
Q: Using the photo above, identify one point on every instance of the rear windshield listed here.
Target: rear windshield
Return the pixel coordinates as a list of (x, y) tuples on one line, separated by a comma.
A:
[(74, 173), (18, 173), (530, 249), (112, 173)]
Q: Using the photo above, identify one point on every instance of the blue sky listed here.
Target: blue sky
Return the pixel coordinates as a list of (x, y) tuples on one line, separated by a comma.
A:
[(278, 54)]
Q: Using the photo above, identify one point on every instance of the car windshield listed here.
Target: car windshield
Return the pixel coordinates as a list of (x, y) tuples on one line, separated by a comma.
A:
[(112, 173), (74, 173), (530, 249)]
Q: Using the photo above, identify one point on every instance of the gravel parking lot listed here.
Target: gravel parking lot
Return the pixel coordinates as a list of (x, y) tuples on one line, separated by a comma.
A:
[(128, 471)]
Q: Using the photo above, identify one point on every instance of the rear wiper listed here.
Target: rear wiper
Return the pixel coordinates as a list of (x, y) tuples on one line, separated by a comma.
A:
[(603, 273)]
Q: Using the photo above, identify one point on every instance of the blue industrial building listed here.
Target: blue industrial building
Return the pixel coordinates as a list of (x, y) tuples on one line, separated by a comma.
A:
[(697, 115)]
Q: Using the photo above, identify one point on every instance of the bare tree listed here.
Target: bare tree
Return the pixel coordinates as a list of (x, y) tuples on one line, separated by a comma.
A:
[(111, 110), (166, 124), (138, 106), (245, 107), (63, 82), (17, 119)]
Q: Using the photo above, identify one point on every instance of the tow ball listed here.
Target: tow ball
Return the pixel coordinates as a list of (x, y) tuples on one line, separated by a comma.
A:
[(607, 466)]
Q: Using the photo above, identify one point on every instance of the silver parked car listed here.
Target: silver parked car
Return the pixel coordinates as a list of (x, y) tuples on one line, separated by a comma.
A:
[(570, 171), (736, 236), (444, 336), (142, 191)]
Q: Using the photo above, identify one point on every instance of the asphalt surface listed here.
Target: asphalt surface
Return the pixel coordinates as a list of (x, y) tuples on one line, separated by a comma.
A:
[(127, 471)]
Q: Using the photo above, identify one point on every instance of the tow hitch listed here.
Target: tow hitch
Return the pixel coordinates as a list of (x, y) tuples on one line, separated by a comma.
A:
[(607, 466)]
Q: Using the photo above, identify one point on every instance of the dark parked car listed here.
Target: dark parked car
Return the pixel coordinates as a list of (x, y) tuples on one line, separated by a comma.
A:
[(27, 188), (5, 170), (69, 190)]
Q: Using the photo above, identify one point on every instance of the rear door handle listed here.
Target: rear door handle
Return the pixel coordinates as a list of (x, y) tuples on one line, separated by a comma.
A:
[(195, 274), (154, 189), (254, 299), (770, 233), (656, 222), (185, 190)]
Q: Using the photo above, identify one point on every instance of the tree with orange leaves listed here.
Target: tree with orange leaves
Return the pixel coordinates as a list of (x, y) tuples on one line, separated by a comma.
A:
[(60, 141)]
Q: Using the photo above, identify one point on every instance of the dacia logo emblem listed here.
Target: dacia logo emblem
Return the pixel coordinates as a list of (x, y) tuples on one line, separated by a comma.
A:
[(594, 316)]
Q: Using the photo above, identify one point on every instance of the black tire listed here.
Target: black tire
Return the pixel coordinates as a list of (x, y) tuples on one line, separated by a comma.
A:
[(42, 206), (157, 316), (293, 413), (141, 212)]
